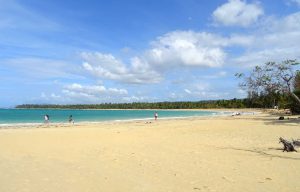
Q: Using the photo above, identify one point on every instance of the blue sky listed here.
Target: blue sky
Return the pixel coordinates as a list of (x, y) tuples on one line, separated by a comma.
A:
[(68, 52)]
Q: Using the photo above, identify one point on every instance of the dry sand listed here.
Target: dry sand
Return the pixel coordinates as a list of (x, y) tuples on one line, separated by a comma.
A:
[(238, 153)]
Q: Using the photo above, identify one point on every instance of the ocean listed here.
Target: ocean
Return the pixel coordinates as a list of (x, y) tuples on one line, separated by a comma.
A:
[(29, 116)]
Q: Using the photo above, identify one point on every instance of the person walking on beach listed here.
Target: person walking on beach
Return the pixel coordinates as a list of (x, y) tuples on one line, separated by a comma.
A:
[(155, 115), (71, 119), (46, 117)]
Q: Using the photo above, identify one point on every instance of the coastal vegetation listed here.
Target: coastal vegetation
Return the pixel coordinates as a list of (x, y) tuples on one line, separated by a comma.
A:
[(274, 82), (257, 101), (233, 103)]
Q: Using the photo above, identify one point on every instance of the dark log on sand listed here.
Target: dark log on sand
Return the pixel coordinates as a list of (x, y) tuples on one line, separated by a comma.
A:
[(287, 146), (296, 143)]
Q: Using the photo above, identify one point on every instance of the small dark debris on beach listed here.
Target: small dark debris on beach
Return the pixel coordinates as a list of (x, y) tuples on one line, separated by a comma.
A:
[(296, 143), (287, 145)]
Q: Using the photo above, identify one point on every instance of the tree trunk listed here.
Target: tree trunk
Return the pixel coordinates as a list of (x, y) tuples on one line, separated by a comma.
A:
[(295, 97)]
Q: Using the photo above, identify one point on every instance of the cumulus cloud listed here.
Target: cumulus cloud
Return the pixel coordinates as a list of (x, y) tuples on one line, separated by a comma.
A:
[(106, 66), (176, 49), (187, 91), (49, 98), (259, 57), (277, 39), (187, 48), (193, 49), (136, 99), (78, 93), (289, 23), (93, 90), (173, 50), (237, 13)]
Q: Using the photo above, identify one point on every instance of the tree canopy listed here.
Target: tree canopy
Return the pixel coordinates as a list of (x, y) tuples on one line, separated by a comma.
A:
[(272, 79)]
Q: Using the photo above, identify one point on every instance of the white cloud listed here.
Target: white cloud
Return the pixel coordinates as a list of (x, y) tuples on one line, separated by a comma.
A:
[(187, 49), (277, 39), (53, 95), (78, 93), (51, 98), (193, 49), (241, 40), (172, 50), (106, 66), (237, 13), (288, 23), (136, 99), (259, 57), (187, 91), (93, 90), (177, 49)]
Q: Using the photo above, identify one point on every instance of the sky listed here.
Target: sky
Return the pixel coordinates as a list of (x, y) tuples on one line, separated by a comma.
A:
[(99, 51)]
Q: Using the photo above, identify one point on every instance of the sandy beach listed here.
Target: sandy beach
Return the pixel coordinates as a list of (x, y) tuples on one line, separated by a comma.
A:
[(239, 153)]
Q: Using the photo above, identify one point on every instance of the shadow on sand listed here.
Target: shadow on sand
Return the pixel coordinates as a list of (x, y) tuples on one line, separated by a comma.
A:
[(265, 153), (287, 121), (274, 120)]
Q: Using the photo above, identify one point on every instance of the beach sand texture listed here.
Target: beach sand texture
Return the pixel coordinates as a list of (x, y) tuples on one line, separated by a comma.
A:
[(239, 153)]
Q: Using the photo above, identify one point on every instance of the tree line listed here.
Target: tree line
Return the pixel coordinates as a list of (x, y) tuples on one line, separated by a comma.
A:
[(232, 103), (256, 101)]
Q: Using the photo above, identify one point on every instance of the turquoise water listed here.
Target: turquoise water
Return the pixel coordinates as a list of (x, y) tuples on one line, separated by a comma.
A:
[(12, 116)]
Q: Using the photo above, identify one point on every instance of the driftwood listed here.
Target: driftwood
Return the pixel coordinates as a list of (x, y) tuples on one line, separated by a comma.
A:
[(296, 143), (287, 145)]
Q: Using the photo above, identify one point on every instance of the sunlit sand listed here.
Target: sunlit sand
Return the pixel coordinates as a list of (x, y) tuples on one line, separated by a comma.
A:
[(239, 153)]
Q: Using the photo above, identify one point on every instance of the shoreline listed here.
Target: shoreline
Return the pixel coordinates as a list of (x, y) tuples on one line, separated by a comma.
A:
[(219, 113)]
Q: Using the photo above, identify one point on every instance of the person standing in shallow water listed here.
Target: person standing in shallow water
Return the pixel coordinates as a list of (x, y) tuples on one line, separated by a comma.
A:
[(46, 117), (155, 115), (71, 119)]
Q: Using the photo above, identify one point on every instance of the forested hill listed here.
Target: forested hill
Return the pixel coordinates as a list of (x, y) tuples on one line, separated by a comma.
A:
[(233, 103)]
